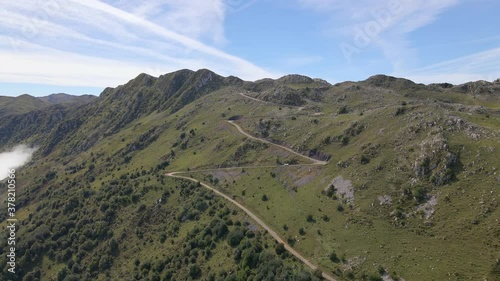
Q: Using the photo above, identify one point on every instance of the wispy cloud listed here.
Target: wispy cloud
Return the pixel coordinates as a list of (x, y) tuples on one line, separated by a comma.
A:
[(14, 159), (381, 24), (480, 66), (386, 25), (96, 43)]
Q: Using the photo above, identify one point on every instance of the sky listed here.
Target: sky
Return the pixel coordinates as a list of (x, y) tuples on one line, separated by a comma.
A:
[(82, 46)]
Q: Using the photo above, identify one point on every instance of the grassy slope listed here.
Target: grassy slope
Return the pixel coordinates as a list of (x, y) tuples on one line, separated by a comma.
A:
[(415, 251), (445, 249)]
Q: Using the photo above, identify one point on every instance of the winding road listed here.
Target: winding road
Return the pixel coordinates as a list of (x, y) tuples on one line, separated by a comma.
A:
[(314, 161), (275, 235)]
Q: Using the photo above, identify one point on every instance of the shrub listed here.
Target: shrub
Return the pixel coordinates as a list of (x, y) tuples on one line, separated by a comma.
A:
[(194, 271), (345, 140), (334, 258), (400, 111), (343, 110), (280, 249), (364, 159), (234, 237), (340, 208), (302, 231), (310, 218)]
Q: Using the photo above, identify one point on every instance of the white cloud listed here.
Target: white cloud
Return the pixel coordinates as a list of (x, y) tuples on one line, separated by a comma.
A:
[(479, 66), (194, 18), (92, 43), (14, 159)]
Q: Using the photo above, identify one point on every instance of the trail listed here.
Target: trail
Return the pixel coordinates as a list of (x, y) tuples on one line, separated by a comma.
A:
[(315, 161), (270, 102), (257, 220), (275, 235)]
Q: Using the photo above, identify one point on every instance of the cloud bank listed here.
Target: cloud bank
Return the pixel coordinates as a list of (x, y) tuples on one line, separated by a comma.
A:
[(14, 159)]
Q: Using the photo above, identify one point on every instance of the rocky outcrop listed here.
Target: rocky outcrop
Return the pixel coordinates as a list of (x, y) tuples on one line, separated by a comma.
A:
[(435, 160)]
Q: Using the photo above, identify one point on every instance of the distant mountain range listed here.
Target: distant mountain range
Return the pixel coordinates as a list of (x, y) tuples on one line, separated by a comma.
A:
[(26, 103)]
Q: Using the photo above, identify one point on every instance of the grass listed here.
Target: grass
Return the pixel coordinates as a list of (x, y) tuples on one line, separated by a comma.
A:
[(446, 248)]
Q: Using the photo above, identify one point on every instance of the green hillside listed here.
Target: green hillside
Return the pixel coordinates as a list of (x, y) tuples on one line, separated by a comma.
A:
[(409, 190), (26, 103)]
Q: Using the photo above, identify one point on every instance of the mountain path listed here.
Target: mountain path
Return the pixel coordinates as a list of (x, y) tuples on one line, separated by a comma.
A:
[(270, 102), (269, 230)]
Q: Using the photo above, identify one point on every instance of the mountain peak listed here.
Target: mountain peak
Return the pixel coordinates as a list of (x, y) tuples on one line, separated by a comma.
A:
[(386, 81), (295, 79)]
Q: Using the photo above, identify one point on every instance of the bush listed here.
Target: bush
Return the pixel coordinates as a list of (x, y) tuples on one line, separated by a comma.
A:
[(364, 159), (345, 140), (302, 231), (340, 208), (343, 110), (495, 271), (265, 198), (310, 218), (194, 271), (400, 111), (234, 237), (318, 273), (334, 258), (280, 249)]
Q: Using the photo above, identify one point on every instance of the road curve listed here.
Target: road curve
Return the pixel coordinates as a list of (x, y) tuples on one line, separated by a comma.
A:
[(270, 102), (315, 161), (248, 212)]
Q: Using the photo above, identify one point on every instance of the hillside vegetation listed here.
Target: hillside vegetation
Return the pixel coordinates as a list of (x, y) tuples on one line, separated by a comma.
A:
[(410, 190)]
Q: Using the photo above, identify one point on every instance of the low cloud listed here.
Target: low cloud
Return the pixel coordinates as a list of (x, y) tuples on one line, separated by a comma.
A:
[(14, 159)]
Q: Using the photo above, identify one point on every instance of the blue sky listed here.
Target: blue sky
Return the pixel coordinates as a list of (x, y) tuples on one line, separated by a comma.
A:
[(83, 46)]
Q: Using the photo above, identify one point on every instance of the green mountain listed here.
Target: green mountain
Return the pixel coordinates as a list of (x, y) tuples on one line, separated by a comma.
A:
[(67, 99), (382, 179), (26, 103)]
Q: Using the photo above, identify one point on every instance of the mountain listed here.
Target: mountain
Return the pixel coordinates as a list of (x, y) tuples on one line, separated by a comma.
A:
[(19, 105), (192, 175), (67, 99), (26, 103)]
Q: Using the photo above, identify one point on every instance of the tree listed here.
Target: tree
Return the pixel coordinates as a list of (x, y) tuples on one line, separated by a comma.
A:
[(334, 258), (310, 218), (302, 231), (318, 273), (234, 237), (194, 271), (280, 249)]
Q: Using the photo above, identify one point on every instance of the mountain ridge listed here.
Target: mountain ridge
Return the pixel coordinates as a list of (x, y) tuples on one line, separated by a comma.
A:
[(410, 166)]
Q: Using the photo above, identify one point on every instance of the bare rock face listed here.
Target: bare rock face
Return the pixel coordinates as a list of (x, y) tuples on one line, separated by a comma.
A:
[(435, 160)]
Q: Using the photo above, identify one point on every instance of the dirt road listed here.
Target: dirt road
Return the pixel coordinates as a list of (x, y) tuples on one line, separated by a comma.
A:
[(248, 212), (315, 161)]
